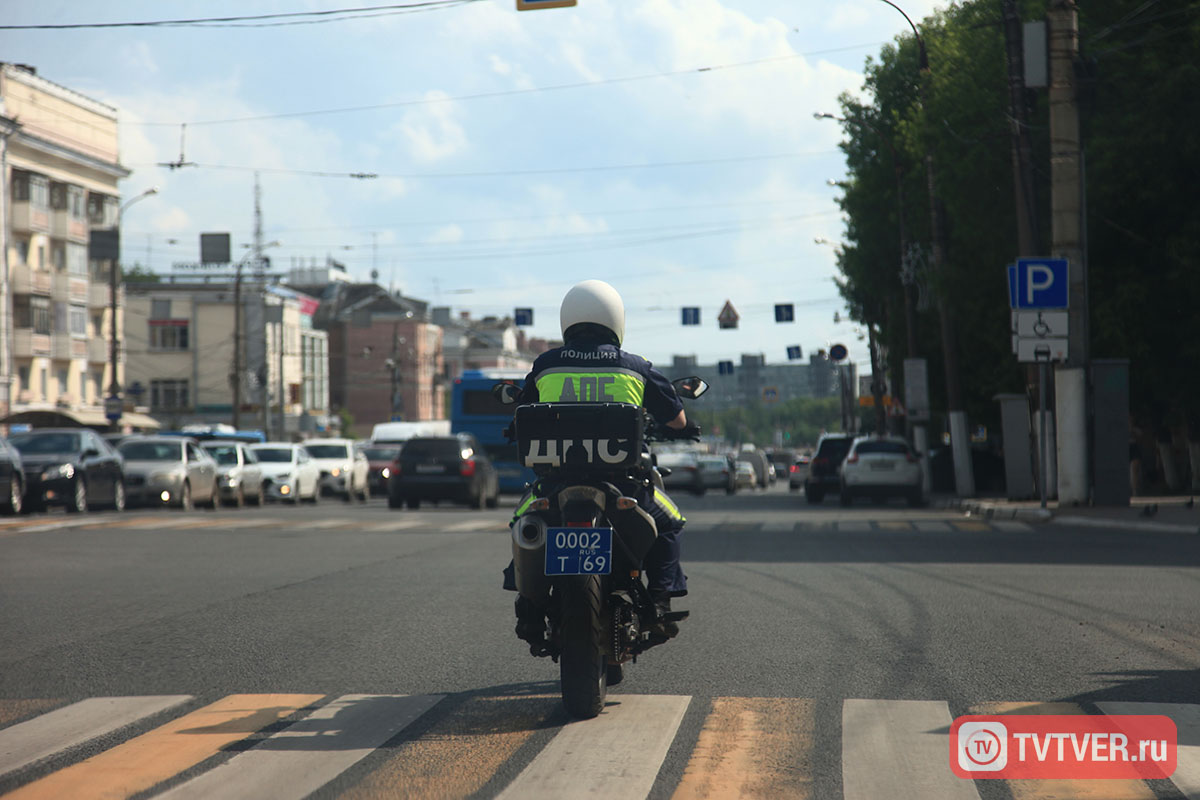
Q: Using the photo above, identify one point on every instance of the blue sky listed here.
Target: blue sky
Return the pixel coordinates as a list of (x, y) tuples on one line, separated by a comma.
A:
[(682, 186)]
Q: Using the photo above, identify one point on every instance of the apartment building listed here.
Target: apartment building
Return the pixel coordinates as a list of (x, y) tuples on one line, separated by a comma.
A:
[(60, 169), (182, 361), (754, 382)]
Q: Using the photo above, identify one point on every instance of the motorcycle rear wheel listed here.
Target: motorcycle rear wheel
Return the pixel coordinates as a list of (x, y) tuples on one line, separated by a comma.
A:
[(583, 665)]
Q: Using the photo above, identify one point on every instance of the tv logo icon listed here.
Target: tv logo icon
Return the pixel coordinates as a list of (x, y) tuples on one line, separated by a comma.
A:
[(982, 746)]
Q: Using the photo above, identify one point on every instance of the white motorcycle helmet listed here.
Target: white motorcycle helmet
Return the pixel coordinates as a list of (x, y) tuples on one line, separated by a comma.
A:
[(593, 302)]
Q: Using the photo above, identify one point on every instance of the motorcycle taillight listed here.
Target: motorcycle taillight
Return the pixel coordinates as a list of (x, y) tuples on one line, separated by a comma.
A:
[(467, 468)]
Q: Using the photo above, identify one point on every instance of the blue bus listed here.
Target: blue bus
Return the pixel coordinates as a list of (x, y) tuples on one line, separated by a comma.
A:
[(474, 410)]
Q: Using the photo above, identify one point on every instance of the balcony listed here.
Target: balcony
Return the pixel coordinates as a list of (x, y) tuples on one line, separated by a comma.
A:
[(70, 288), (27, 218), (97, 295), (97, 350), (64, 226), (27, 344)]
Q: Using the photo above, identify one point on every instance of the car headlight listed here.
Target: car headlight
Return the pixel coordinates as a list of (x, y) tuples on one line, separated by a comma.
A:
[(387, 473), (58, 471), (335, 472)]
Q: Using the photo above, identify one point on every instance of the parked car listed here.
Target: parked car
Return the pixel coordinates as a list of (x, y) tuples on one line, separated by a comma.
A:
[(169, 471), (744, 475), (289, 473), (71, 467), (681, 470), (715, 473), (12, 479), (824, 470), (453, 468), (880, 467), (342, 466), (380, 458), (239, 477), (797, 471)]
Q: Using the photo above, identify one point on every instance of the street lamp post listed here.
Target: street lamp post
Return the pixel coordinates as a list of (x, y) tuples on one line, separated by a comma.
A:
[(114, 283)]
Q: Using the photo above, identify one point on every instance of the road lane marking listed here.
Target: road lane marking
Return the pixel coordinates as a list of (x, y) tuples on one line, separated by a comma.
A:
[(899, 749), (459, 754), (250, 523), (970, 526), (1187, 722), (855, 527), (56, 731), (617, 754), (1065, 789), (932, 526), (310, 752), (328, 523), (1009, 526), (476, 525), (394, 525), (752, 747), (894, 526), (151, 758)]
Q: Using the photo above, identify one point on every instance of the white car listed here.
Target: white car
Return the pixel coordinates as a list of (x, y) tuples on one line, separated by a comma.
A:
[(288, 472), (880, 467), (344, 468)]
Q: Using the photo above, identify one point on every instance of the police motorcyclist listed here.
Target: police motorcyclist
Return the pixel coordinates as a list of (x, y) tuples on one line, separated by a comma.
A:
[(592, 367)]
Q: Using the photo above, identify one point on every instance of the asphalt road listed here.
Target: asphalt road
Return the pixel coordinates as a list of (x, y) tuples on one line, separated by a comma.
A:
[(820, 638)]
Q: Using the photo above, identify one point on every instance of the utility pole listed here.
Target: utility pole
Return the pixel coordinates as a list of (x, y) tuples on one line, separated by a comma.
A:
[(1018, 115), (261, 366), (1066, 231), (235, 378)]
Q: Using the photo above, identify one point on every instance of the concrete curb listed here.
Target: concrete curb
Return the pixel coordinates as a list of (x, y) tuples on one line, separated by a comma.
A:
[(989, 510)]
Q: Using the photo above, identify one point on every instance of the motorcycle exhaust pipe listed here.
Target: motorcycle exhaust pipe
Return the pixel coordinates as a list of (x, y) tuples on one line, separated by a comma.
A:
[(529, 532), (529, 557)]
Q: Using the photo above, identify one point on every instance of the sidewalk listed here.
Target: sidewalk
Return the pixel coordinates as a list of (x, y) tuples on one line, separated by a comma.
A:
[(1169, 514)]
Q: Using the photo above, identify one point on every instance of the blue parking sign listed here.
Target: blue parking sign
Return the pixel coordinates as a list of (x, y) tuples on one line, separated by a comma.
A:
[(523, 316), (785, 312), (1038, 283), (691, 315), (793, 352)]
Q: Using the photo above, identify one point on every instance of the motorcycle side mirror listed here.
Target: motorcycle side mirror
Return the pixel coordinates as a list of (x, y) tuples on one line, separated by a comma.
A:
[(691, 387), (506, 393)]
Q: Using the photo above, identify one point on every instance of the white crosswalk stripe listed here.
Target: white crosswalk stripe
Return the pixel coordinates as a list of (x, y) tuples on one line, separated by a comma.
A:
[(295, 762), (1187, 724), (618, 754), (895, 749), (394, 525), (476, 525), (899, 749), (64, 728)]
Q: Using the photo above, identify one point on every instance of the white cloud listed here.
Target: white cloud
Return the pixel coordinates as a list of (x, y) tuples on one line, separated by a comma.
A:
[(432, 131)]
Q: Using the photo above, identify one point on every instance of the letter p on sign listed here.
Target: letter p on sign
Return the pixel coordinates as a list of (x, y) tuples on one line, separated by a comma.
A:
[(1040, 283)]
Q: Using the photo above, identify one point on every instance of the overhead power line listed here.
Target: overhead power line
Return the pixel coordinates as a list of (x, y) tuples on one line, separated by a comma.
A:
[(492, 173), (511, 92), (296, 17)]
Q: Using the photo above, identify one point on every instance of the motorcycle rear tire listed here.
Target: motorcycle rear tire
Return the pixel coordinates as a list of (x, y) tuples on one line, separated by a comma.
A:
[(583, 665)]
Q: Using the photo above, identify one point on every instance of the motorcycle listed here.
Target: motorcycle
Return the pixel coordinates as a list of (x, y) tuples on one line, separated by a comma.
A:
[(579, 545)]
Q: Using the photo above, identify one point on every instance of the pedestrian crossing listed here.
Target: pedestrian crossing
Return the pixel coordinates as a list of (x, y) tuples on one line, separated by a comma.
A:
[(495, 524), (521, 745)]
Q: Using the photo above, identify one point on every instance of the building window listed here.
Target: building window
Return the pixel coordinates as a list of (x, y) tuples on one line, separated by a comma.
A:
[(83, 387), (98, 381), (78, 321), (41, 258), (39, 191), (77, 263), (160, 309), (167, 394), (23, 377), (39, 317), (101, 210), (75, 202), (169, 334), (58, 196), (64, 386), (23, 251), (20, 186), (61, 318), (45, 383), (98, 324)]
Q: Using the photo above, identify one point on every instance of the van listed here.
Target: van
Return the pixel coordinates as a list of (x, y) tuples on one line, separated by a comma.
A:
[(397, 432)]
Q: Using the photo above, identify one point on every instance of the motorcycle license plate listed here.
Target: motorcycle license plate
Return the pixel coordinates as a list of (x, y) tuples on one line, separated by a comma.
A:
[(578, 551)]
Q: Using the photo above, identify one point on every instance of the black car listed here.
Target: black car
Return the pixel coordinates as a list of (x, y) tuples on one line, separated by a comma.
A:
[(824, 470), (71, 467), (453, 468), (12, 479)]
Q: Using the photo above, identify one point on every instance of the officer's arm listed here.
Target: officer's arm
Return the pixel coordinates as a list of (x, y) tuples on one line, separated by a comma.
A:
[(680, 422)]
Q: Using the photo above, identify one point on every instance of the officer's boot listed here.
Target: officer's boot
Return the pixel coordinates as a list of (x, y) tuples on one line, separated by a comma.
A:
[(662, 605), (531, 622)]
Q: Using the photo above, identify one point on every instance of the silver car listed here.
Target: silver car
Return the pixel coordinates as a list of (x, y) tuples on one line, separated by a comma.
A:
[(168, 470), (239, 477)]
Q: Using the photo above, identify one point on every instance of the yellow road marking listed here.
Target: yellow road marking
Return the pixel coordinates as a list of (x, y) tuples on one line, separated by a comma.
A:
[(151, 758), (894, 526), (457, 756), (1064, 789), (752, 747), (965, 525)]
